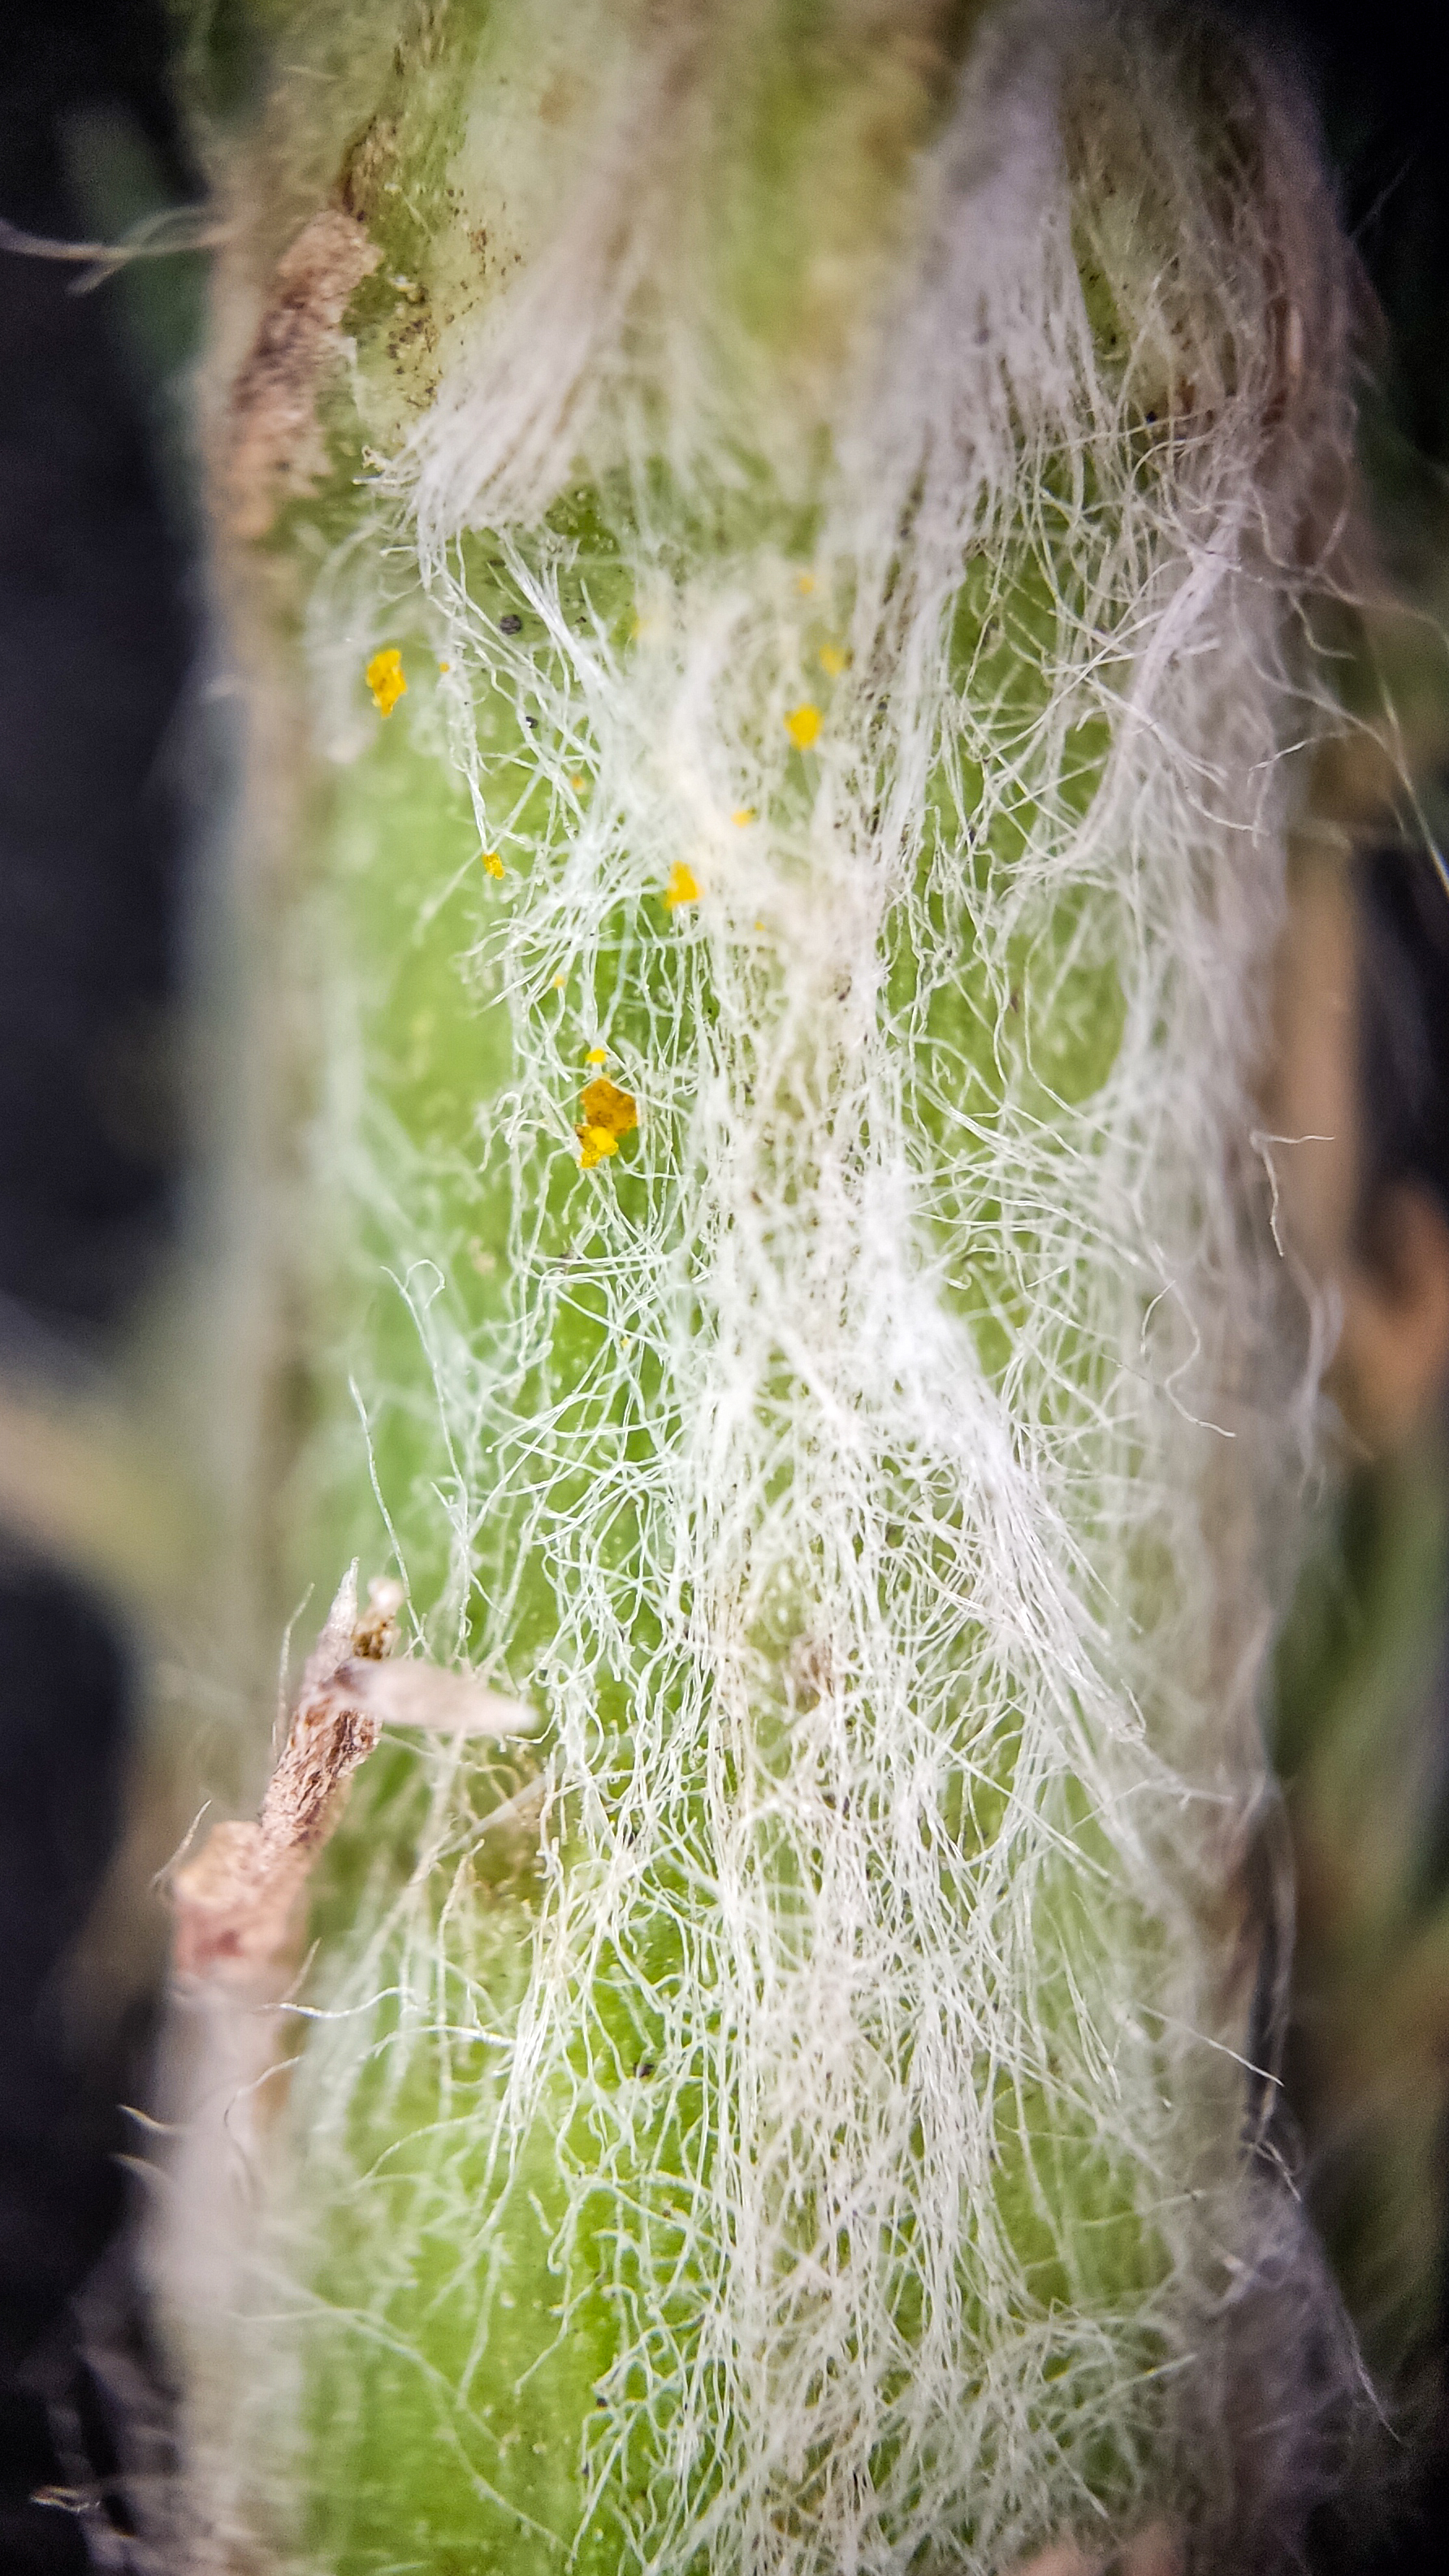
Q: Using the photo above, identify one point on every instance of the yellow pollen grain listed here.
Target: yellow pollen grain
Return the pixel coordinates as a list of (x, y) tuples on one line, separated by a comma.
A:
[(609, 1113), (594, 1144), (833, 660), (576, 782), (743, 814), (606, 1108), (683, 887), (559, 982), (802, 725), (445, 666), (385, 679), (494, 864), (804, 583), (597, 1055)]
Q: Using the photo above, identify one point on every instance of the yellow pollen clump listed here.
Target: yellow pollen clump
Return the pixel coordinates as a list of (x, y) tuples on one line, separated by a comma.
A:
[(597, 1055), (609, 1113), (494, 864), (802, 725), (683, 886), (594, 1144), (743, 814), (445, 666), (559, 982), (833, 660), (385, 679), (605, 1105)]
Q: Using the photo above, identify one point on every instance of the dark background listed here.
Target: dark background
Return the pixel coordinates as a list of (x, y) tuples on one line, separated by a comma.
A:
[(97, 631), (100, 626)]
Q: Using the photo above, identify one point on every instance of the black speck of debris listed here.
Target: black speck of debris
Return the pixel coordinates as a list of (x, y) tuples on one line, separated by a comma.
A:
[(511, 625)]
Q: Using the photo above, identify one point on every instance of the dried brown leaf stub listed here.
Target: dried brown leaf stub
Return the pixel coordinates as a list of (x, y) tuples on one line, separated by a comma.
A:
[(239, 1905)]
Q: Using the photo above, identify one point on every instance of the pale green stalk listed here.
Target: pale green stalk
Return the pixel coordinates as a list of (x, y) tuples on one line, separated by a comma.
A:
[(841, 486)]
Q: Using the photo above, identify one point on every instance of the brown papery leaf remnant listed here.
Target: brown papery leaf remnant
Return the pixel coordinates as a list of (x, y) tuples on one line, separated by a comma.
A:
[(238, 1905)]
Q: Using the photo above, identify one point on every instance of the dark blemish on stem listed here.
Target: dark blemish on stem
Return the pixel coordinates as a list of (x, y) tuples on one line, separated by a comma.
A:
[(274, 445)]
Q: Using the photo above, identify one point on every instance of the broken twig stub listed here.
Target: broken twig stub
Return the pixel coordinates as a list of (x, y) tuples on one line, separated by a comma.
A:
[(239, 1905)]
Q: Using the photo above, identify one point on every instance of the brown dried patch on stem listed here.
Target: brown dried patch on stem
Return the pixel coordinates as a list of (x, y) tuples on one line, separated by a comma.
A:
[(239, 1904), (274, 445)]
